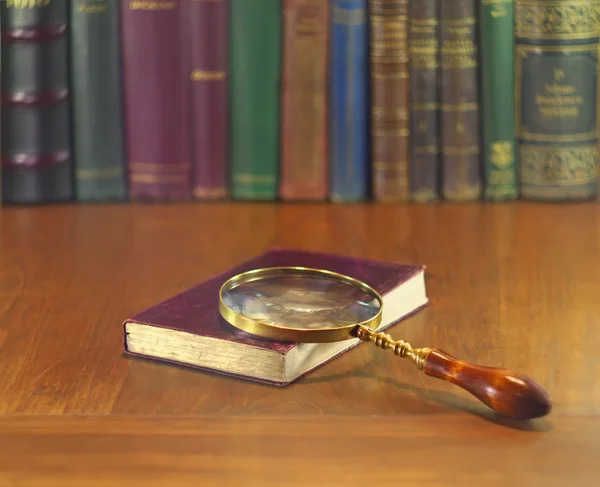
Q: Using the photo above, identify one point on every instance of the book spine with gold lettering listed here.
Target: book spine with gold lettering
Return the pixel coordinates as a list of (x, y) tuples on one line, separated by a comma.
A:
[(497, 47), (304, 131), (460, 88), (424, 100), (98, 142), (255, 89), (349, 102), (209, 99), (36, 129), (390, 122), (155, 68), (556, 66)]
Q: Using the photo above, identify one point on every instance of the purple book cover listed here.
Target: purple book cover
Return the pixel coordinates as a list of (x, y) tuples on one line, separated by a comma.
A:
[(209, 47), (196, 310), (156, 96)]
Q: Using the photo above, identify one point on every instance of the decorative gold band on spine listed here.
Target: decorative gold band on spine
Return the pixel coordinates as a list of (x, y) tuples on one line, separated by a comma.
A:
[(544, 19), (150, 173), (100, 173)]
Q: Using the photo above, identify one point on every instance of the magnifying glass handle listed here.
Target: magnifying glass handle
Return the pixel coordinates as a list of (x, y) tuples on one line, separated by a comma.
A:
[(513, 395)]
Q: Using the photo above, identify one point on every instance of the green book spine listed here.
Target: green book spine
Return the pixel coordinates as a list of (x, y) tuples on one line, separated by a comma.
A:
[(255, 50), (557, 94), (497, 45), (98, 141)]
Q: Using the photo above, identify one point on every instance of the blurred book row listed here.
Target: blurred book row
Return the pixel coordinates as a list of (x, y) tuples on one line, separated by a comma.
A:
[(312, 100)]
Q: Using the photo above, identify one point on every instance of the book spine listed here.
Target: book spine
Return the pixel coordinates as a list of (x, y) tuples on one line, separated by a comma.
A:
[(156, 99), (390, 122), (209, 77), (350, 102), (1, 109), (556, 75), (304, 155), (424, 100), (98, 145), (497, 46), (460, 116), (255, 50), (36, 138)]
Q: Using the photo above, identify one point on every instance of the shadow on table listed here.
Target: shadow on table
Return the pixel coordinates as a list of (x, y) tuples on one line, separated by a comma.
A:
[(446, 399)]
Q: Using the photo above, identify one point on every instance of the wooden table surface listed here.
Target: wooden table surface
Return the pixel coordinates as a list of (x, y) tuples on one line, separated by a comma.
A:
[(514, 285)]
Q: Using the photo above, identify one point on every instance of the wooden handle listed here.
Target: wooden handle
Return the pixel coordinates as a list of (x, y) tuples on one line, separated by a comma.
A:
[(514, 395)]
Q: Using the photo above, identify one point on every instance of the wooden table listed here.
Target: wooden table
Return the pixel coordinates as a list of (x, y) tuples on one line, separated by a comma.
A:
[(514, 285)]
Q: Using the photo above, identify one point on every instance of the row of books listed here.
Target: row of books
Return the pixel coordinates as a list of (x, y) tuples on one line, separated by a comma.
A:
[(338, 100)]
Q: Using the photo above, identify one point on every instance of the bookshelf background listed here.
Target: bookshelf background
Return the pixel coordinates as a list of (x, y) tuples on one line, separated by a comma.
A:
[(334, 101)]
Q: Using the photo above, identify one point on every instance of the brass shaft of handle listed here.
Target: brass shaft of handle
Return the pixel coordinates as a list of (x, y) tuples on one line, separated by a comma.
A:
[(513, 395), (399, 347)]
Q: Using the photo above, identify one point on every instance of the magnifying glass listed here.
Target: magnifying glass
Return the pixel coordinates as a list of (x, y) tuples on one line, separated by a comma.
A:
[(300, 304)]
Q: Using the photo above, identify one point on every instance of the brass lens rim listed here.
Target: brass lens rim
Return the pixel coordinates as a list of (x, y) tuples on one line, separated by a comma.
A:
[(324, 335)]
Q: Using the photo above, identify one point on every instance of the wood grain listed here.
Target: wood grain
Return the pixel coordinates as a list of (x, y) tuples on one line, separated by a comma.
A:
[(511, 285), (294, 450)]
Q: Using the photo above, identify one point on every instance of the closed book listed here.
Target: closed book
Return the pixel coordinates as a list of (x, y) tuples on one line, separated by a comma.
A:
[(349, 101), (155, 65), (36, 129), (255, 33), (187, 329), (557, 98), (209, 26), (424, 46), (304, 101), (497, 48), (390, 122), (97, 110), (459, 98)]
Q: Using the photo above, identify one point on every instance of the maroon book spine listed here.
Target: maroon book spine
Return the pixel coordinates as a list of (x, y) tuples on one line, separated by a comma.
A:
[(209, 47), (156, 98)]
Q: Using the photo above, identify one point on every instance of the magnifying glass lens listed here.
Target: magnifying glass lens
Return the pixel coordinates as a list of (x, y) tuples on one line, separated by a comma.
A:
[(302, 301)]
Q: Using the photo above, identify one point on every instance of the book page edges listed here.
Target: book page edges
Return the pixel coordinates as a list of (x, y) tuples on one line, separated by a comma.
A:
[(255, 363)]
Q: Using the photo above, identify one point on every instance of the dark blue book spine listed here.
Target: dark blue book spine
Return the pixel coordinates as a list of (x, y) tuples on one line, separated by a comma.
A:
[(349, 101)]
